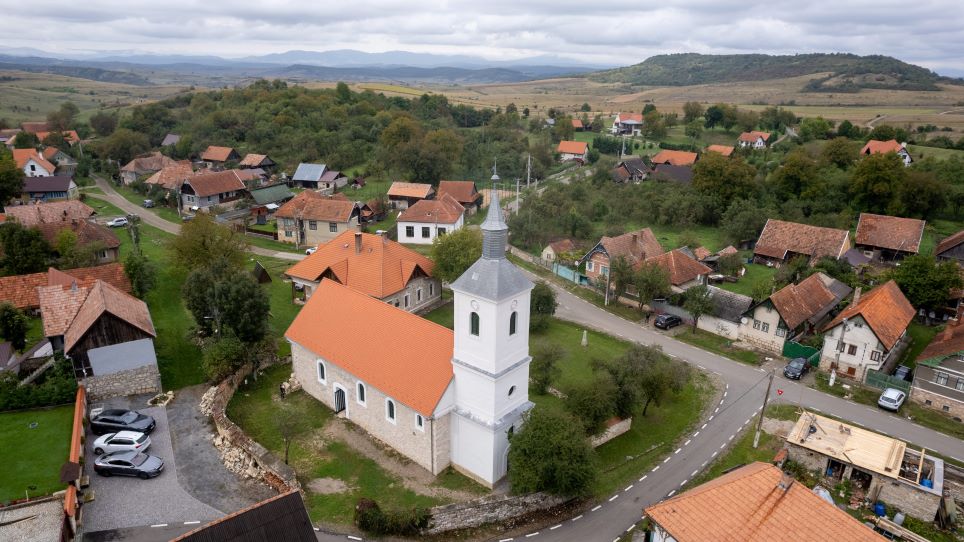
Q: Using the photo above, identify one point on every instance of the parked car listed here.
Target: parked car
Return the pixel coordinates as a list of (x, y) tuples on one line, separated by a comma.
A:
[(796, 368), (904, 373), (310, 250), (114, 420), (122, 441), (118, 222), (891, 399), (186, 218), (667, 321), (148, 203), (129, 464)]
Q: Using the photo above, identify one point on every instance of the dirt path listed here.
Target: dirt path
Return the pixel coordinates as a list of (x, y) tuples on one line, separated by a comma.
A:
[(413, 476)]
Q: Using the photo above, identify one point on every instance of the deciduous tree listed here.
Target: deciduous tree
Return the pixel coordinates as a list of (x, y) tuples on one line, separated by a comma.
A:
[(925, 282), (24, 250), (697, 301), (202, 241), (13, 326), (544, 369), (651, 281), (455, 252), (591, 401), (551, 453), (11, 178)]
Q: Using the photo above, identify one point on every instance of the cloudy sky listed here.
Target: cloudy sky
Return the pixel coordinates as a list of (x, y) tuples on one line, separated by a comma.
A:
[(617, 32)]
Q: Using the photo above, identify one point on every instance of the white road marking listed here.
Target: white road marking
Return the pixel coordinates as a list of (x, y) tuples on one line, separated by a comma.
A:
[(701, 367), (704, 426), (656, 468), (671, 493), (703, 464), (724, 394), (722, 445), (710, 418), (577, 517), (683, 483), (631, 527), (614, 497), (687, 442), (316, 529), (160, 525), (694, 473), (598, 506), (630, 486), (350, 537), (507, 540), (678, 450), (748, 420), (731, 436), (643, 478), (530, 535), (191, 522), (696, 434), (666, 460), (554, 527), (714, 454), (717, 410)]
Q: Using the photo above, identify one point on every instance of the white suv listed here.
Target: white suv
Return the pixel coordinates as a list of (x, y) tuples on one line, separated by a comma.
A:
[(122, 441)]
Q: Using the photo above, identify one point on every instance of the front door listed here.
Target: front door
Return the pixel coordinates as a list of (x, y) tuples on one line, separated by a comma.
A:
[(339, 400)]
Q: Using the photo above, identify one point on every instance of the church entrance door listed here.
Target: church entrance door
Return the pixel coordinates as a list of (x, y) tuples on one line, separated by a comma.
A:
[(339, 400)]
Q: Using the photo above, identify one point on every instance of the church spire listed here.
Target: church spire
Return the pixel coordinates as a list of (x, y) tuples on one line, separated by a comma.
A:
[(495, 232)]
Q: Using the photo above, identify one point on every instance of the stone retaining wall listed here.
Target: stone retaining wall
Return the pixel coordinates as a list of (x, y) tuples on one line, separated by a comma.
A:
[(612, 432), (137, 381), (495, 509), (240, 453)]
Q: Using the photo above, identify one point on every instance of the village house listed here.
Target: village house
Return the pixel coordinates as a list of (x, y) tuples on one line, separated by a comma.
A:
[(725, 317), (403, 195), (205, 190), (883, 147), (282, 517), (70, 136), (21, 291), (951, 248), (449, 398), (630, 170), (104, 245), (781, 241), (34, 127), (939, 377), (43, 213), (753, 503), (216, 157), (754, 139), (272, 196), (171, 177), (887, 239), (257, 161), (671, 173), (683, 271), (634, 246), (372, 265), (33, 164), (878, 467), (577, 125), (65, 163), (144, 165), (307, 176), (791, 312), (675, 158), (713, 260), (573, 150), (429, 218), (313, 219), (627, 124), (866, 334), (464, 192), (50, 188), (554, 250), (725, 150)]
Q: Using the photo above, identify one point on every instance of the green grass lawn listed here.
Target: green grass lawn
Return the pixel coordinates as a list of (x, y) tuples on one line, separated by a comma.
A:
[(919, 152), (104, 208), (718, 345), (741, 453), (255, 409), (33, 457), (167, 213), (755, 273), (920, 337)]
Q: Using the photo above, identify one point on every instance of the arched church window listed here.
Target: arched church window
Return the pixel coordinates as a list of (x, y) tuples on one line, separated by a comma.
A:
[(390, 410), (512, 322), (474, 323)]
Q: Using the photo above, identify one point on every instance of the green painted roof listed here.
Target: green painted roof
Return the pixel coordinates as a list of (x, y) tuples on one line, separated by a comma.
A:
[(271, 194)]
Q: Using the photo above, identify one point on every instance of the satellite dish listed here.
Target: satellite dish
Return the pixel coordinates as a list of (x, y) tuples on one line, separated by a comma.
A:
[(744, 320)]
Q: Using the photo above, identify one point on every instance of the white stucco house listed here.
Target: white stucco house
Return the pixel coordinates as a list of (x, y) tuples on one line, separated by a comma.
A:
[(427, 219), (439, 397), (33, 163)]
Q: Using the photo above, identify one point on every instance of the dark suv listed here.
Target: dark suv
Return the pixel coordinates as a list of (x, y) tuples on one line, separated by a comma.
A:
[(667, 321), (796, 368), (114, 420)]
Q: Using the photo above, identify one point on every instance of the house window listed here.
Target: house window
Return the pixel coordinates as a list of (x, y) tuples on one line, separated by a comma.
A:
[(589, 266), (875, 355), (960, 384), (390, 410), (946, 408), (33, 168), (426, 232), (928, 402), (781, 332), (941, 378), (322, 372), (431, 289), (765, 327), (288, 233), (333, 227), (419, 422), (474, 324), (756, 324), (406, 300), (289, 223), (851, 349), (312, 224), (512, 322), (441, 231), (604, 270), (360, 393), (418, 295), (409, 231)]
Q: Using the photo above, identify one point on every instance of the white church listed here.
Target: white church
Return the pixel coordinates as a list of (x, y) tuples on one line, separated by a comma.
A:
[(439, 397)]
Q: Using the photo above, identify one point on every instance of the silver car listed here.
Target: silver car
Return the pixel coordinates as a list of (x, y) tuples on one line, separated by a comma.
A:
[(891, 399), (122, 441)]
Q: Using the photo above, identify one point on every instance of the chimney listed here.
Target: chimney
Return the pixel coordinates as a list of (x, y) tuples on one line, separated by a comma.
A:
[(635, 238), (856, 296), (786, 480), (358, 239)]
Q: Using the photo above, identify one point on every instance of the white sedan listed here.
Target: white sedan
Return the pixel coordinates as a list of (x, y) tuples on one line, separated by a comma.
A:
[(311, 250), (123, 441), (117, 222)]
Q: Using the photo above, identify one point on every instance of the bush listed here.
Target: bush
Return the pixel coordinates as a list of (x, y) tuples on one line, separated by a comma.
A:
[(222, 357), (551, 453), (55, 387), (369, 517)]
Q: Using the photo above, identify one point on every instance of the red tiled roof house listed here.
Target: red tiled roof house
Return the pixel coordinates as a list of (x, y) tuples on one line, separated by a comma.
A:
[(429, 218), (221, 188), (313, 219), (888, 239), (781, 241), (634, 246), (573, 150)]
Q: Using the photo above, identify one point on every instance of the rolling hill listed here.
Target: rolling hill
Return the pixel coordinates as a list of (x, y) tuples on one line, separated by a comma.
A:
[(832, 72)]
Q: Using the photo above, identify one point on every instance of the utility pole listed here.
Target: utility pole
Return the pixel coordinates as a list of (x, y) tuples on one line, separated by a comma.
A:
[(759, 425), (517, 181), (528, 170)]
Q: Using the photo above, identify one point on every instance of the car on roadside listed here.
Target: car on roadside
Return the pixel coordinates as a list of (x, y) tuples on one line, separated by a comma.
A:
[(904, 372), (148, 203), (667, 321), (122, 441), (796, 368), (311, 250), (115, 419), (118, 222), (891, 399), (129, 463)]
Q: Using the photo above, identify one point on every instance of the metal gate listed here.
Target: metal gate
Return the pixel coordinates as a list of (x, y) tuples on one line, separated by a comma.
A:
[(882, 381), (339, 400)]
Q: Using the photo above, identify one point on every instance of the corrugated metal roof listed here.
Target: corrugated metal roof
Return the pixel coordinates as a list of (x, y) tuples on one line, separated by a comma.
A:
[(309, 172), (271, 194), (122, 357), (279, 518)]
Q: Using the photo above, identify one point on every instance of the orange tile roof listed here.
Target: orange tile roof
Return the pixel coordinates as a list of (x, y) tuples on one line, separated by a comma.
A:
[(730, 249), (34, 127), (70, 136), (217, 154), (58, 306), (779, 238), (464, 192), (403, 355), (572, 147), (881, 147), (381, 268), (444, 210), (152, 162), (310, 205), (701, 253), (54, 211), (890, 232), (675, 158), (22, 156), (49, 153), (798, 303), (86, 232), (747, 505), (886, 311), (563, 245), (253, 160), (216, 182), (679, 267), (21, 290), (625, 117), (751, 136), (635, 245), (103, 298), (947, 343), (577, 124), (410, 190), (949, 242), (722, 149), (170, 177)]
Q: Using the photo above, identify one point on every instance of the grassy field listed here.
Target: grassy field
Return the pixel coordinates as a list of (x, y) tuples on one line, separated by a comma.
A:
[(719, 345), (33, 456), (754, 274), (919, 152)]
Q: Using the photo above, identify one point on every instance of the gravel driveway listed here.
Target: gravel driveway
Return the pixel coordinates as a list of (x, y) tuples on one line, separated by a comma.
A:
[(130, 502)]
